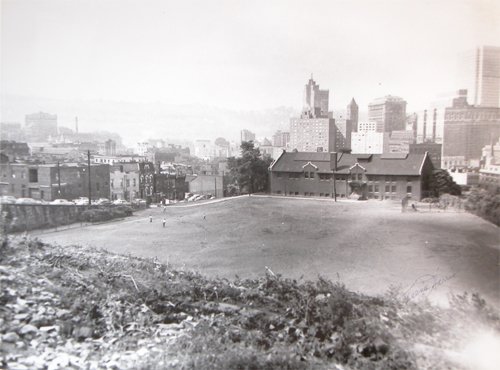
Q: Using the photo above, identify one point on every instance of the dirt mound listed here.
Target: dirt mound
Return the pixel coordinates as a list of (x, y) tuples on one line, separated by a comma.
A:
[(77, 307)]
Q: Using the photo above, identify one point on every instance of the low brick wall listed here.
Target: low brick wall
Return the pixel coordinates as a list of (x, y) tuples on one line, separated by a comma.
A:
[(24, 217)]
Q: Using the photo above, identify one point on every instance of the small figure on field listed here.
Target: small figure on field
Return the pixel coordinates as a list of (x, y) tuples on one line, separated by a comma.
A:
[(404, 203), (150, 218), (164, 221), (414, 207)]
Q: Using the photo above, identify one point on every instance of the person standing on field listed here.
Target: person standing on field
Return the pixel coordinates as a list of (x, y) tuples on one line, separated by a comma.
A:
[(164, 221), (150, 218)]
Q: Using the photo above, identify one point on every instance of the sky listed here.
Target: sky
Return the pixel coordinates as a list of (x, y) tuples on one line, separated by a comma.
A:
[(237, 54)]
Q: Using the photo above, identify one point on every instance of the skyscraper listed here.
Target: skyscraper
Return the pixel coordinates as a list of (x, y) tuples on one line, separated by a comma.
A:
[(314, 130), (315, 100), (479, 73), (247, 135), (353, 114), (467, 129), (389, 113)]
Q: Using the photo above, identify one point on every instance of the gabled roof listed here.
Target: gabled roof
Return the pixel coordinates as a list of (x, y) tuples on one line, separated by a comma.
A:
[(374, 164)]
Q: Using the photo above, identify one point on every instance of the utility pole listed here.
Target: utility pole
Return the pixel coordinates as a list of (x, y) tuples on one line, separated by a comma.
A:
[(334, 188), (215, 183), (58, 179), (90, 186)]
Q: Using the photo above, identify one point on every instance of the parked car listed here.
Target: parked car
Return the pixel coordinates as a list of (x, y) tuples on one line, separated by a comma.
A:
[(62, 202), (121, 202), (103, 202), (7, 199), (82, 201), (27, 201)]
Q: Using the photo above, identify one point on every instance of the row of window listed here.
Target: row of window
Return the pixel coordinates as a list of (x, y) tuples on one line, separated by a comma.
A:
[(327, 176), (134, 183)]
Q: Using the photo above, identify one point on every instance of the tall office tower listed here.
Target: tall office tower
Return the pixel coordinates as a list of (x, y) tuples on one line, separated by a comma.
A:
[(388, 112), (467, 129), (314, 130), (315, 101), (247, 135), (281, 139), (479, 73), (40, 126), (353, 114)]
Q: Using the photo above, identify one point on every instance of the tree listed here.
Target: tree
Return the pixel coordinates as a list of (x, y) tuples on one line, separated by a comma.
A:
[(442, 183), (250, 171)]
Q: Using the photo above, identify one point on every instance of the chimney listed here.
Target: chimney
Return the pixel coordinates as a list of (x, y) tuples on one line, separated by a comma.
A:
[(333, 161)]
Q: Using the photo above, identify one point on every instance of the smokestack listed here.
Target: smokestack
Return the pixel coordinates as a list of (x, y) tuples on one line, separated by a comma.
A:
[(333, 161)]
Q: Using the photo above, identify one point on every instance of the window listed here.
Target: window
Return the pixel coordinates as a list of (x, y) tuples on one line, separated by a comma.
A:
[(375, 188), (42, 193), (408, 189), (393, 188), (128, 183), (133, 182), (278, 192), (112, 184), (306, 175), (327, 194), (321, 194), (278, 174), (296, 193), (325, 176), (306, 193), (387, 188), (33, 175), (360, 176), (370, 188)]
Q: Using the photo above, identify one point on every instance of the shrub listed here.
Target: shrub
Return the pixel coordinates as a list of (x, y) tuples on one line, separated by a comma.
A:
[(105, 213)]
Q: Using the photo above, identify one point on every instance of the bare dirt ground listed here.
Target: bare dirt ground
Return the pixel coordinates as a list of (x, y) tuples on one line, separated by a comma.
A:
[(370, 246)]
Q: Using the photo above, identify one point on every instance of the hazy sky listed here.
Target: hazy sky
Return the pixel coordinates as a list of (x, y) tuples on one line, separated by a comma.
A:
[(239, 54)]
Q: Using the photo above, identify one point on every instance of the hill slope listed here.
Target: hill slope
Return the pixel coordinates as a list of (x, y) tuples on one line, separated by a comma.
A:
[(77, 307)]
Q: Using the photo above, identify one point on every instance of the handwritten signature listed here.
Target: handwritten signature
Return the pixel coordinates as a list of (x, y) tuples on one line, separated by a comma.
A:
[(425, 284)]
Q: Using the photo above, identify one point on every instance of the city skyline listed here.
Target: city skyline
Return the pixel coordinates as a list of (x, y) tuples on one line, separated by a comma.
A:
[(149, 69)]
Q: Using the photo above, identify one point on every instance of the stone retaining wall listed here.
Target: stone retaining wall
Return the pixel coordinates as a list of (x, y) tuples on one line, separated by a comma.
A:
[(25, 217)]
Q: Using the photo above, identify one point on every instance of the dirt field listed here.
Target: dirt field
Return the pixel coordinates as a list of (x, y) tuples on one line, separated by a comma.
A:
[(369, 246)]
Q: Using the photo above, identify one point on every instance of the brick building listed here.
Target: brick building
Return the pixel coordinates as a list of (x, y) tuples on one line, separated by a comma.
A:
[(378, 176), (124, 181), (467, 129), (50, 181)]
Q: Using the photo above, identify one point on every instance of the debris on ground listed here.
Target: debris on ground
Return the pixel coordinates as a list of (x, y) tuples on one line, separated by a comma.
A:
[(82, 308)]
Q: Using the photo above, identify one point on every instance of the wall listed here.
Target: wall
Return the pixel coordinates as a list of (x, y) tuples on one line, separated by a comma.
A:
[(23, 217)]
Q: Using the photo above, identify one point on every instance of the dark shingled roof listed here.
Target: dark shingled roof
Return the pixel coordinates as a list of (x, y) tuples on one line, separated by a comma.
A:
[(374, 164)]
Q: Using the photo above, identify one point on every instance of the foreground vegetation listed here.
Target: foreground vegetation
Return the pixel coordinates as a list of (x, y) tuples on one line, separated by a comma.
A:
[(77, 307)]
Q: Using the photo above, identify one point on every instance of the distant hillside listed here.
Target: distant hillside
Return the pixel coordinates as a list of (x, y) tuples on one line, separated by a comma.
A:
[(141, 121)]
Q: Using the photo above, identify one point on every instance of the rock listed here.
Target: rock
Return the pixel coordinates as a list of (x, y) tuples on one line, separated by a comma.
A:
[(10, 337), (83, 333), (380, 345), (46, 329), (28, 329), (21, 316), (60, 362), (60, 313)]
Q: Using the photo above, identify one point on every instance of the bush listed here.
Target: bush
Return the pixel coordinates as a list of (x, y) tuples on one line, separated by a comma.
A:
[(485, 204), (105, 213)]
